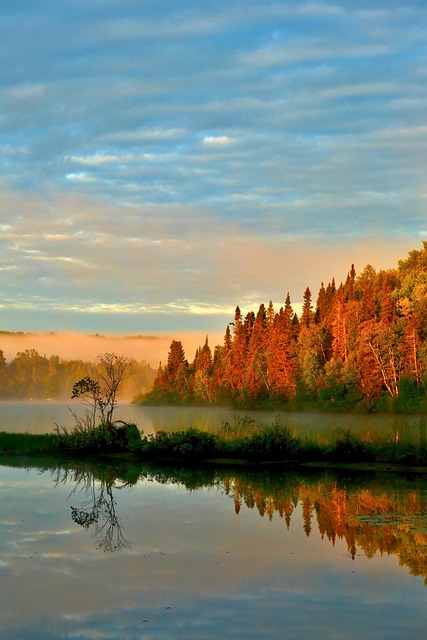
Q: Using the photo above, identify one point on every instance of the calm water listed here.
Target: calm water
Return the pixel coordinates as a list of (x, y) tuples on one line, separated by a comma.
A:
[(145, 553), (39, 417)]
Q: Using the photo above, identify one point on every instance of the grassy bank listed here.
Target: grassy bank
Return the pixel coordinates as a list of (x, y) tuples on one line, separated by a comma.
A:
[(27, 444), (244, 442), (277, 443)]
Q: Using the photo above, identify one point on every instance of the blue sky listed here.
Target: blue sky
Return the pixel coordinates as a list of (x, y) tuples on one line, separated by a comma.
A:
[(161, 162)]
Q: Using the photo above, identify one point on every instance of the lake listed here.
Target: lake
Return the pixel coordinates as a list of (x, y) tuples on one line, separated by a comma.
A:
[(42, 417), (144, 552)]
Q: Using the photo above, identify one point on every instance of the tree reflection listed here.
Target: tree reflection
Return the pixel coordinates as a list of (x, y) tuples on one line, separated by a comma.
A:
[(387, 517), (371, 513), (97, 512)]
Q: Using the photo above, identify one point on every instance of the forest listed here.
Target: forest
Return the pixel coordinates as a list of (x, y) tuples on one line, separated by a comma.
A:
[(361, 344), (32, 376)]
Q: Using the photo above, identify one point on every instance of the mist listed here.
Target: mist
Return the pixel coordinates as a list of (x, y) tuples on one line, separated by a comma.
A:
[(78, 346)]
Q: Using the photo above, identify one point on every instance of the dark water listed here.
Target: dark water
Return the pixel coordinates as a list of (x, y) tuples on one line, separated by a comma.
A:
[(146, 552)]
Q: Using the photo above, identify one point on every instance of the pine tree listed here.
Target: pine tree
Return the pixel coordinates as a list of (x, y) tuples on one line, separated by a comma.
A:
[(349, 286), (281, 354), (307, 308), (177, 373), (256, 380), (270, 314), (238, 352), (339, 327), (203, 389)]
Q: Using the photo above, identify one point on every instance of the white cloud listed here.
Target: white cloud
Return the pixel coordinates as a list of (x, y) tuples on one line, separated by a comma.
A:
[(79, 177), (218, 141), (100, 158), (57, 259)]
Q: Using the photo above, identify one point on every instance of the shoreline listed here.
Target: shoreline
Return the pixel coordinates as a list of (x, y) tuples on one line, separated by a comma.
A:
[(28, 448)]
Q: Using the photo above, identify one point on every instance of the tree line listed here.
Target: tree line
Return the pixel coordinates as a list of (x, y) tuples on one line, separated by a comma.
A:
[(33, 376), (362, 343)]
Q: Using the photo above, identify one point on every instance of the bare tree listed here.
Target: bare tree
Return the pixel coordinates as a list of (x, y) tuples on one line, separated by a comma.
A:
[(100, 390)]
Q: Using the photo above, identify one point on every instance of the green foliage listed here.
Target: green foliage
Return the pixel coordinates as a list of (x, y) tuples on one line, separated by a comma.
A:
[(85, 386), (243, 427), (253, 441), (27, 444), (408, 400), (346, 447), (338, 395), (130, 437), (273, 442), (100, 439), (245, 441), (82, 438), (191, 443)]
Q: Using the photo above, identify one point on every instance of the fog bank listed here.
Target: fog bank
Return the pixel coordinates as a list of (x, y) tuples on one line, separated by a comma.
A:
[(70, 346)]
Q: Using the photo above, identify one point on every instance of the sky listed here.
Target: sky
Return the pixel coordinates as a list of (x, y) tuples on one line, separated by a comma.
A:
[(164, 161)]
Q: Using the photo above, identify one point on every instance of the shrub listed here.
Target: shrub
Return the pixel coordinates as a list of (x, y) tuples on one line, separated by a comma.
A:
[(103, 438), (346, 447), (187, 444)]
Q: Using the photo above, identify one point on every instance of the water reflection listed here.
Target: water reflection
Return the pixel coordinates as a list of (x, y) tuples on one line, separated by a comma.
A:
[(388, 516), (97, 512), (215, 553), (385, 514)]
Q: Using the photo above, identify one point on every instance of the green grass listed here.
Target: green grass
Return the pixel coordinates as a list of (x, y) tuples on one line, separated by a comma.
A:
[(27, 443), (75, 441), (244, 441), (248, 441), (98, 439)]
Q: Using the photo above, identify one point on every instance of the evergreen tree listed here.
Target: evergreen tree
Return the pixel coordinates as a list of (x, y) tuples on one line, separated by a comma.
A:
[(256, 380), (238, 352), (202, 384), (307, 308)]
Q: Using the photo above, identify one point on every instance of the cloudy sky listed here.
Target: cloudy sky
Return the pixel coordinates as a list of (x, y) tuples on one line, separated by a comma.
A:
[(164, 160)]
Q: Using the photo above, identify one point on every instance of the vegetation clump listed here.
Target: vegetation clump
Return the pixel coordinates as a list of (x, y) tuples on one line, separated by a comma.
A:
[(187, 444), (244, 442), (346, 447), (124, 437), (247, 441), (27, 444)]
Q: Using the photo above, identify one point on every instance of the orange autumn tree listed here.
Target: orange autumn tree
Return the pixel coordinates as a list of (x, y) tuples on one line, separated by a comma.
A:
[(364, 342)]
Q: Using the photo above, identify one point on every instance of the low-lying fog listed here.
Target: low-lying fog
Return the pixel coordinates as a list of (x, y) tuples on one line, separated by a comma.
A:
[(70, 346)]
